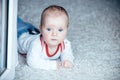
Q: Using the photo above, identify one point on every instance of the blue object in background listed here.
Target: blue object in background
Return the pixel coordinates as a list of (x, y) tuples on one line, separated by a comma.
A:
[(23, 27)]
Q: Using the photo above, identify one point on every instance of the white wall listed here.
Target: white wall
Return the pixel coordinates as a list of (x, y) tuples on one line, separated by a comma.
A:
[(12, 55), (0, 28)]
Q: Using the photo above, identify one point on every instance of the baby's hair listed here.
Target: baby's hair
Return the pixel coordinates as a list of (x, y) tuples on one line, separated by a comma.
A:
[(52, 9)]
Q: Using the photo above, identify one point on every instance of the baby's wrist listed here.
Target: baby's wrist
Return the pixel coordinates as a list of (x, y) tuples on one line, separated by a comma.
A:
[(58, 64)]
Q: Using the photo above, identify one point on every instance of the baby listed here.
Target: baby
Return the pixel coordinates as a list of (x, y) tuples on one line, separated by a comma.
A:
[(48, 49)]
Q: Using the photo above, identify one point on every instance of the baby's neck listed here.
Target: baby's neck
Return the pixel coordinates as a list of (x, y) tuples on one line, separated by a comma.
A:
[(52, 49)]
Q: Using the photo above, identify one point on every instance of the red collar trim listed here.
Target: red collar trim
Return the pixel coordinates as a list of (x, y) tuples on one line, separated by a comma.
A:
[(61, 46), (49, 54)]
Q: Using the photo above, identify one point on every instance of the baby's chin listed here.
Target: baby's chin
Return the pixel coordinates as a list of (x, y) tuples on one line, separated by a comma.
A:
[(54, 44)]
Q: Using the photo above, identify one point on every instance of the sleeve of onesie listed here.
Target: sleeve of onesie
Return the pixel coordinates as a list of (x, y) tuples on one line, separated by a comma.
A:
[(24, 42), (35, 61), (67, 53)]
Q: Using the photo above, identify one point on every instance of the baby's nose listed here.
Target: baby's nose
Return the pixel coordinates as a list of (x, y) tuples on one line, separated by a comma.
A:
[(54, 33)]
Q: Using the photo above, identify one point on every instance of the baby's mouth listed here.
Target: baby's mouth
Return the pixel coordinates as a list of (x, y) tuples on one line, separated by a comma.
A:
[(54, 39)]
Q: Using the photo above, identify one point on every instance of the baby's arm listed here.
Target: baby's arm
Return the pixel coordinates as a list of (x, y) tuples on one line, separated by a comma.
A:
[(58, 64), (67, 56), (36, 61)]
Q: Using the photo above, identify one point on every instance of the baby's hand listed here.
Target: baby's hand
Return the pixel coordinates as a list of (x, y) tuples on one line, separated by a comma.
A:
[(67, 64)]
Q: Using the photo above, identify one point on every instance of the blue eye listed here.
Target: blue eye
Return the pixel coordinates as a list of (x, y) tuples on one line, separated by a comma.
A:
[(60, 30), (48, 29)]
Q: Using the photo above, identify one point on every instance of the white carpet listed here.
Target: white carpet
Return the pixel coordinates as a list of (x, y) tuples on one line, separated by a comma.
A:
[(94, 31)]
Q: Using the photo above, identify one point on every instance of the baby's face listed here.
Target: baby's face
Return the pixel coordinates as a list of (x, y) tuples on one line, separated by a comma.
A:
[(54, 29)]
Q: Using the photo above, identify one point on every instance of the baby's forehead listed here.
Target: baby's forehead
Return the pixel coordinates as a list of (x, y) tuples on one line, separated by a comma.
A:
[(54, 13)]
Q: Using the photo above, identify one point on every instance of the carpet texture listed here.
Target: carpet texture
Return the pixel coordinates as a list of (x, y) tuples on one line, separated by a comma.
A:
[(94, 31)]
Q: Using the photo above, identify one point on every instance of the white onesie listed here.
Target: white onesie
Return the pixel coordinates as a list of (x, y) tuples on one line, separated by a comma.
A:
[(37, 52)]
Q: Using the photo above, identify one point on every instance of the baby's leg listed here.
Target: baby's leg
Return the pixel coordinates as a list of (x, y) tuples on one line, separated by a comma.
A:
[(23, 27)]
